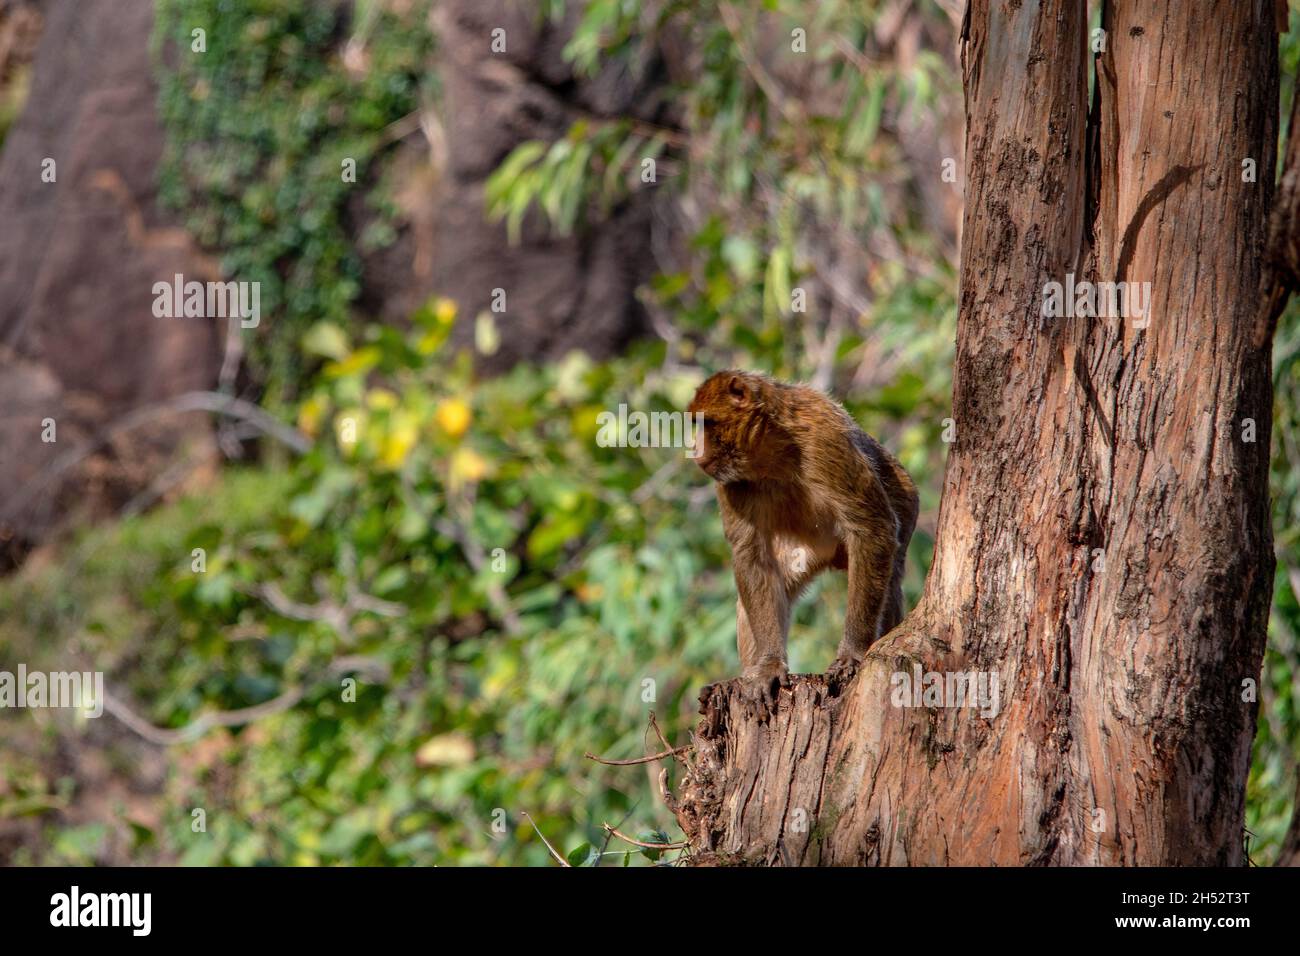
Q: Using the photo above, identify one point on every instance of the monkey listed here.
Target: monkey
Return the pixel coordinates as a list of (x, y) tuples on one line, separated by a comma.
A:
[(802, 489)]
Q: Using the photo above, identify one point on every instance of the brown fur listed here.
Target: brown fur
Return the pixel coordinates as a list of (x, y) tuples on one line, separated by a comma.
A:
[(802, 488)]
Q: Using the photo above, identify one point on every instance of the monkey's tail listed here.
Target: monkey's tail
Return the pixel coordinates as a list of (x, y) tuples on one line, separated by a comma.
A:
[(907, 507)]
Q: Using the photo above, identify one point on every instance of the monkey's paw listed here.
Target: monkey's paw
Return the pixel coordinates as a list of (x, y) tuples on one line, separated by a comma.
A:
[(842, 670), (761, 687)]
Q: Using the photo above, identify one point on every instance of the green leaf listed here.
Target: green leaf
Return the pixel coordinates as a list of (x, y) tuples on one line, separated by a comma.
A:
[(505, 179), (584, 854), (327, 340)]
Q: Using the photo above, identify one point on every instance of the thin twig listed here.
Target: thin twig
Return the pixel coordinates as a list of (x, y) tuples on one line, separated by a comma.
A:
[(558, 859), (167, 736), (648, 846), (865, 63), (181, 404), (609, 836), (665, 794), (233, 355), (731, 20), (636, 760), (654, 725), (172, 476), (401, 128), (672, 137), (650, 487), (327, 611), (477, 558)]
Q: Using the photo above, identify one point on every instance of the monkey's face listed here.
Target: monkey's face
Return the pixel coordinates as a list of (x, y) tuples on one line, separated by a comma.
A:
[(726, 404)]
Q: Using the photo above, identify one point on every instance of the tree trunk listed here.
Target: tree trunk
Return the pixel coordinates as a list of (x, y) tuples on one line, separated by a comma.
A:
[(1104, 555)]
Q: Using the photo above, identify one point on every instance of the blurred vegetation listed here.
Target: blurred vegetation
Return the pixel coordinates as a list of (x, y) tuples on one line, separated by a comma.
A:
[(783, 181), (1271, 789), (612, 574), (259, 126), (12, 100), (505, 593)]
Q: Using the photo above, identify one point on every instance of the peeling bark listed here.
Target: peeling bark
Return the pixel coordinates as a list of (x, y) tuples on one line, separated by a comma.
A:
[(1103, 547)]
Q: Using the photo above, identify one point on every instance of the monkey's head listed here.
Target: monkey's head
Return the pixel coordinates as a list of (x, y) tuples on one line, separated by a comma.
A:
[(739, 439)]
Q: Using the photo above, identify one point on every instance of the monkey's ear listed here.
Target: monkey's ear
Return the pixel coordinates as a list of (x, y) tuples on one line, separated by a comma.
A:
[(740, 391)]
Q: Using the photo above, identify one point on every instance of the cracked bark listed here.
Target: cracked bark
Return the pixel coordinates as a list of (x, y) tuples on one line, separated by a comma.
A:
[(1103, 545)]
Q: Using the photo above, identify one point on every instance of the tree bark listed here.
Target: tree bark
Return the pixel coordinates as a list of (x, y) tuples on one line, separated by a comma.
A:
[(1103, 549)]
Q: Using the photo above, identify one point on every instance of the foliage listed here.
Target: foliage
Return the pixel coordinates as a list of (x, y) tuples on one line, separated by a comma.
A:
[(13, 96), (258, 127), (1272, 785), (1277, 747), (784, 177), (618, 578)]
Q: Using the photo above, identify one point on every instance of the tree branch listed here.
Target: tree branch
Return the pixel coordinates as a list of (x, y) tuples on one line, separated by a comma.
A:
[(168, 736), (188, 402)]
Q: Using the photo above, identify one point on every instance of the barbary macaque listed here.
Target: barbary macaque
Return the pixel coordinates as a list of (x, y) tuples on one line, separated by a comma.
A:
[(802, 488)]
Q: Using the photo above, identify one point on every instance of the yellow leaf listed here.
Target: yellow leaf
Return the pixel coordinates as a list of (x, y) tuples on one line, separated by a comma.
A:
[(445, 750), (430, 342), (360, 361), (467, 465), (486, 337), (309, 415), (403, 432), (444, 310), (453, 417), (326, 340)]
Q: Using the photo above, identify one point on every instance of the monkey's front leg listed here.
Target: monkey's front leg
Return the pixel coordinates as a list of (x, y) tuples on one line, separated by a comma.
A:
[(762, 624), (871, 564)]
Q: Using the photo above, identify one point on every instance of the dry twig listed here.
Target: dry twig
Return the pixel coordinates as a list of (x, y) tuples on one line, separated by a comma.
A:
[(649, 846), (558, 859), (636, 760), (167, 736)]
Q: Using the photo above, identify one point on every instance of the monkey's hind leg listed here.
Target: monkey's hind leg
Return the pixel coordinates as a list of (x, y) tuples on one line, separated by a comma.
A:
[(871, 570)]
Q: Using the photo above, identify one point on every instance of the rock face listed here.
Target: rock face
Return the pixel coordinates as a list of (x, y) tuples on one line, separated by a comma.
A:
[(79, 343), (560, 293), (79, 256)]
